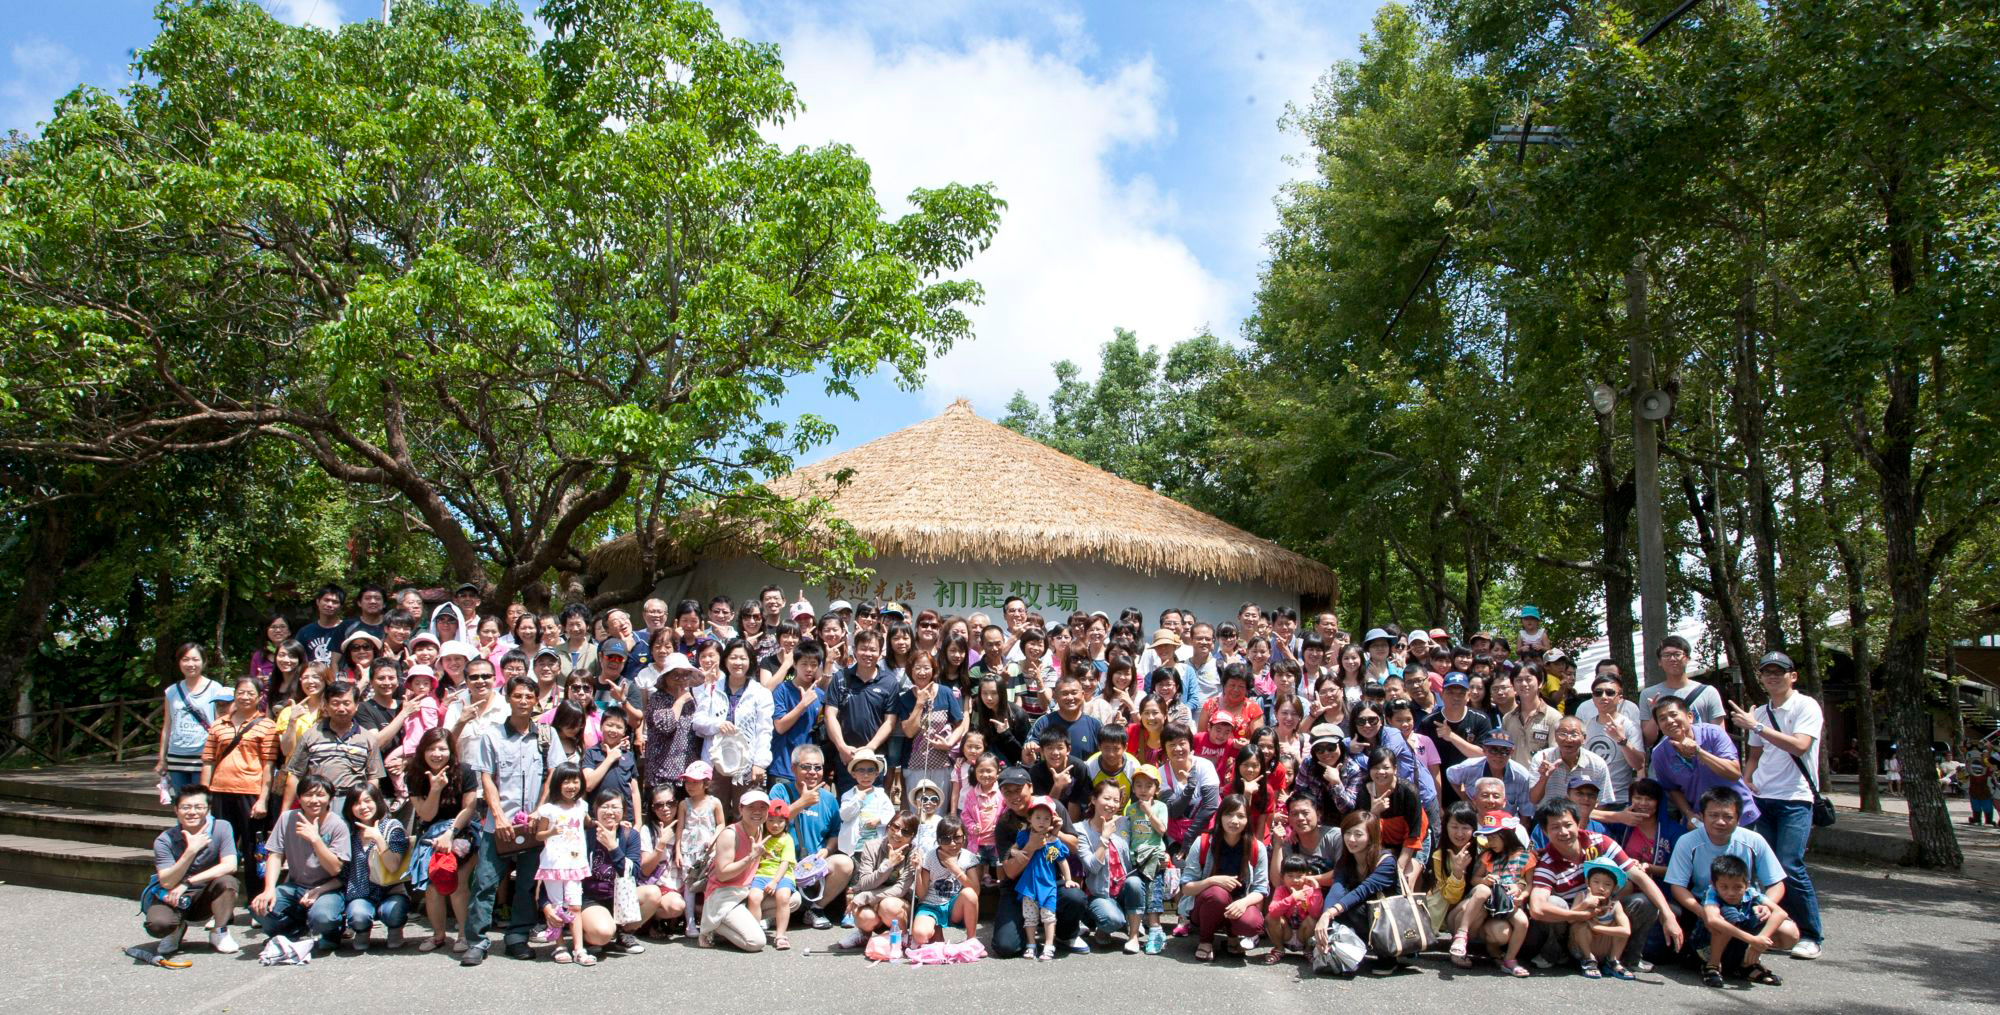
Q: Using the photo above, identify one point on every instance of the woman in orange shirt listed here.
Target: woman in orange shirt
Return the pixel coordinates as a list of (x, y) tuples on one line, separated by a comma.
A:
[(237, 763)]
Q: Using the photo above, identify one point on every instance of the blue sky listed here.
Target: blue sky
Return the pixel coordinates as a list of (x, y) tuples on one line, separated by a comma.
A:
[(1136, 142)]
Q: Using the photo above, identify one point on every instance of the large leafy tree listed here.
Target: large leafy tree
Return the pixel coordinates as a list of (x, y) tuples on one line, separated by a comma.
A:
[(526, 292)]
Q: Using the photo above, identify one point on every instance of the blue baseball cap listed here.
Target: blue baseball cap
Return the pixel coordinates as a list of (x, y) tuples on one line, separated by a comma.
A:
[(1529, 611), (1457, 679)]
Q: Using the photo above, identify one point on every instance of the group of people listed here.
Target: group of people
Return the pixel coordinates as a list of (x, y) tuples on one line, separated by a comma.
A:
[(1064, 784)]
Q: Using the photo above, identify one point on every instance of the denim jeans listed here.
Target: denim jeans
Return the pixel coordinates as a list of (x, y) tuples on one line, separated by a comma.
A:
[(487, 876), (1072, 907), (1108, 913), (289, 918), (1787, 825), (393, 911)]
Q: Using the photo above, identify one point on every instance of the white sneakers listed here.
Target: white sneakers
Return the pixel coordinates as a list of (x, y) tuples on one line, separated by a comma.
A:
[(222, 942), (1131, 946), (1806, 950), (171, 943)]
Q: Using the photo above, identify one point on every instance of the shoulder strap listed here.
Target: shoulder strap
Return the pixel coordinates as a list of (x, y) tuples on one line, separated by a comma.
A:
[(1798, 762), (189, 705)]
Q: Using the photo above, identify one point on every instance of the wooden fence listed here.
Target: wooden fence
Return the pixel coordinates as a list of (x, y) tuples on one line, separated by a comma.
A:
[(114, 730)]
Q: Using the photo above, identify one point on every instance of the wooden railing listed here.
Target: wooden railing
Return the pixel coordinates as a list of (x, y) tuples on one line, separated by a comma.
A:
[(114, 730)]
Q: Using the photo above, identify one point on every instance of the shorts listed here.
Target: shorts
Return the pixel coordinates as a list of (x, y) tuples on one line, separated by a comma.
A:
[(761, 883), (1033, 912), (989, 855), (941, 915)]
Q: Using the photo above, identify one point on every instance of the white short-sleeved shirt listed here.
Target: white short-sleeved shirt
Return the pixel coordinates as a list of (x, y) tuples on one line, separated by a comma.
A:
[(1776, 777), (1704, 702)]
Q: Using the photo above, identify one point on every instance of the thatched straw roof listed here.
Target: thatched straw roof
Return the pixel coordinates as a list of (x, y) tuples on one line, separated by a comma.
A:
[(911, 495)]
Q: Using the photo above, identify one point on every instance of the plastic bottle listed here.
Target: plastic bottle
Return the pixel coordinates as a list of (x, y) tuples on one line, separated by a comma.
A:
[(895, 941)]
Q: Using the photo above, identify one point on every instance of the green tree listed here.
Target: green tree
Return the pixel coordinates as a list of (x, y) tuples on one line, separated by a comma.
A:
[(525, 293)]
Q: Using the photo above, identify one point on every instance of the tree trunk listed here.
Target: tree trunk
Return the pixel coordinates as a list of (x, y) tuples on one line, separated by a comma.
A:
[(49, 536), (1763, 526), (1721, 581), (1891, 452), (1615, 501), (1808, 659), (1854, 570)]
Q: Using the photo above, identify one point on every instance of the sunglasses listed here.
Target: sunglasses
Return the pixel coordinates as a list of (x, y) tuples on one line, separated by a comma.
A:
[(810, 768), (1368, 720), (1606, 693)]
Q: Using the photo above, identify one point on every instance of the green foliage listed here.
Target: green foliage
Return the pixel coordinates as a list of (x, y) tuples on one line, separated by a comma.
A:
[(530, 294)]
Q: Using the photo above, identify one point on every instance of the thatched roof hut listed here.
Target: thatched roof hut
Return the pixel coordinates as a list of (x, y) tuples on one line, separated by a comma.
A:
[(944, 498)]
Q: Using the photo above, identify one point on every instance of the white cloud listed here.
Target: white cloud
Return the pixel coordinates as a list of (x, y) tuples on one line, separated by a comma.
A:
[(1081, 249), (39, 72), (317, 13)]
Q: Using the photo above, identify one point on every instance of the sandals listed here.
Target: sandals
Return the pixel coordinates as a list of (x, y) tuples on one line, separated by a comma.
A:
[(431, 944), (1459, 954), (585, 959), (1513, 968), (1760, 975), (1711, 976), (782, 943), (1277, 953), (1204, 952), (1617, 969), (563, 957), (1590, 970)]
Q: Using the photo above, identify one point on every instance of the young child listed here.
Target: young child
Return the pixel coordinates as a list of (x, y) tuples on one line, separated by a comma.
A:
[(774, 873), (1737, 911), (1600, 938), (865, 809), (1295, 910), (1501, 885), (979, 810), (699, 817), (929, 800), (419, 686), (565, 857), (970, 750), (1146, 821), (945, 892), (1219, 745), (1111, 763), (1046, 874), (1532, 637), (1250, 780)]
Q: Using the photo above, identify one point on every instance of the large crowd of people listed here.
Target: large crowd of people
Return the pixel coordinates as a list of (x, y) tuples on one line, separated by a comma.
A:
[(1047, 786)]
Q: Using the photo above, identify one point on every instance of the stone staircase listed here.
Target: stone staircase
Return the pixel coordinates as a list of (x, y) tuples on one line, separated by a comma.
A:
[(80, 828)]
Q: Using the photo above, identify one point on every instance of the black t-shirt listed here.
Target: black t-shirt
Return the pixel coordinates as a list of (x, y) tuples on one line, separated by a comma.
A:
[(370, 715), (863, 705), (1473, 727), (322, 644), (1044, 779), (617, 777)]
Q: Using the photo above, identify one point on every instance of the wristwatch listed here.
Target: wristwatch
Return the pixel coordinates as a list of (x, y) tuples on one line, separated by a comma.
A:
[(1757, 728)]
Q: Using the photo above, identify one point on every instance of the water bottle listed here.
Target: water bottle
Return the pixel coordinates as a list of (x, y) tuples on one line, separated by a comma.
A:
[(895, 941)]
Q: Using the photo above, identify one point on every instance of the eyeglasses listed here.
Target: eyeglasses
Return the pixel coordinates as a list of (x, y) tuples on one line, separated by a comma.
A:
[(810, 768)]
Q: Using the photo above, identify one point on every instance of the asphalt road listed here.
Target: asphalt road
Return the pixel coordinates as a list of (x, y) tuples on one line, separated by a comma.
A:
[(1897, 942)]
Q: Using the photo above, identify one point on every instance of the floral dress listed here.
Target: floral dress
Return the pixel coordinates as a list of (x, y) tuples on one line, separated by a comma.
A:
[(670, 740)]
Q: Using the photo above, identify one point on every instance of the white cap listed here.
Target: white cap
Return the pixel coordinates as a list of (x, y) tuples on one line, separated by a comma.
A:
[(755, 796), (458, 648), (674, 661)]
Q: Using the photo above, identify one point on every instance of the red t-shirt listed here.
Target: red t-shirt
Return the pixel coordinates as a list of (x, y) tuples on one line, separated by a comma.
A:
[(1563, 877)]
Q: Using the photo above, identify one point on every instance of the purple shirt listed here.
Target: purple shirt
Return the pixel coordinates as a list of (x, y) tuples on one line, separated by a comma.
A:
[(1693, 778)]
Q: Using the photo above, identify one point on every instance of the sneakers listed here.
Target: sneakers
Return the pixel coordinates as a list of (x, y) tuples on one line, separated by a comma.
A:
[(1132, 945), (1806, 950), (392, 938), (851, 940), (459, 946), (1156, 941), (222, 942), (171, 943), (1246, 943), (625, 942), (520, 952), (847, 920), (820, 922), (360, 943), (1078, 946), (474, 955)]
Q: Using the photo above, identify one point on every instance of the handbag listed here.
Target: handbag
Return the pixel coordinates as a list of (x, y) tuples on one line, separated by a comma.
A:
[(1398, 925), (1343, 953), (624, 900), (511, 839), (1822, 814)]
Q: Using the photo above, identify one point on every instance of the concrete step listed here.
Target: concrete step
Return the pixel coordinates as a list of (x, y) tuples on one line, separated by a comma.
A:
[(68, 865), (125, 788), (80, 824)]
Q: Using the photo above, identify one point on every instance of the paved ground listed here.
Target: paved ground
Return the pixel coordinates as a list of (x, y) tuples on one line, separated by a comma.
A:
[(1897, 942)]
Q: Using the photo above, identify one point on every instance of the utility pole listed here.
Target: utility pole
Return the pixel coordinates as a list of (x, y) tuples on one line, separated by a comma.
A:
[(385, 11), (1646, 474)]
